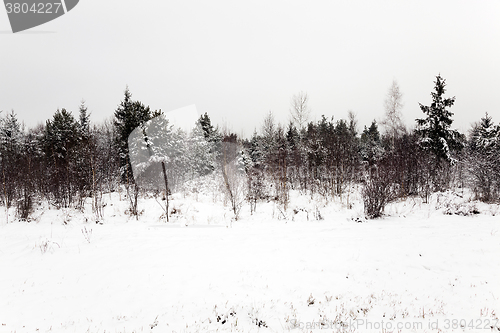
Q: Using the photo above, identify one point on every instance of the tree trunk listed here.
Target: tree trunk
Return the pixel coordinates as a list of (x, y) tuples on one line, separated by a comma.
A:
[(166, 184)]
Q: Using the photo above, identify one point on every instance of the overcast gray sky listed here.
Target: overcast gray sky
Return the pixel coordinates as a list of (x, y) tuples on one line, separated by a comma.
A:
[(237, 60)]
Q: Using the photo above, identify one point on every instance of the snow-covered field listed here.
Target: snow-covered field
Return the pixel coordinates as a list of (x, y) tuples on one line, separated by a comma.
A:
[(416, 270)]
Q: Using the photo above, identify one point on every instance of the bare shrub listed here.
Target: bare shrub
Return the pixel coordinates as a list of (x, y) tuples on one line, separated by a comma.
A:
[(379, 190)]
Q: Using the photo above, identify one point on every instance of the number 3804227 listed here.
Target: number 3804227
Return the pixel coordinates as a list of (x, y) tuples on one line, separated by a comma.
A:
[(36, 8)]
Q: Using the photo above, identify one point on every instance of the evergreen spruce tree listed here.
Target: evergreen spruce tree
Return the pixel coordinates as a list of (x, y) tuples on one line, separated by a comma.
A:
[(268, 140), (294, 154), (128, 116), (201, 160), (485, 138), (212, 136), (435, 133), (11, 137), (371, 145), (345, 154), (84, 159), (208, 129), (60, 140), (256, 153), (254, 171), (84, 121), (483, 159)]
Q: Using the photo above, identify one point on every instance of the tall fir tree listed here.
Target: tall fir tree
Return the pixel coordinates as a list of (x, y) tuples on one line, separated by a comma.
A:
[(60, 140), (128, 116), (84, 121), (435, 130), (212, 135), (206, 125), (371, 144), (483, 159), (11, 140), (485, 137), (84, 159)]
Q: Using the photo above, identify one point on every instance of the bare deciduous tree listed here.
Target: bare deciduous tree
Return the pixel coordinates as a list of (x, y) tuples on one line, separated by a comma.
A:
[(268, 132), (393, 104), (268, 127), (232, 168), (300, 110)]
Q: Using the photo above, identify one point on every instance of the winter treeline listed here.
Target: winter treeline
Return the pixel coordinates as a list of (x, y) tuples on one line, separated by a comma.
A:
[(63, 162), (68, 160)]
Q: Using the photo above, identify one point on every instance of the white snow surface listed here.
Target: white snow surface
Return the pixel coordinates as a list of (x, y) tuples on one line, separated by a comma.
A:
[(267, 272)]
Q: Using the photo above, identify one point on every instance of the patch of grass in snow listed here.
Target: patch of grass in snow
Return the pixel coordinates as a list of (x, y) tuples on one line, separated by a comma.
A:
[(87, 234), (47, 245)]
